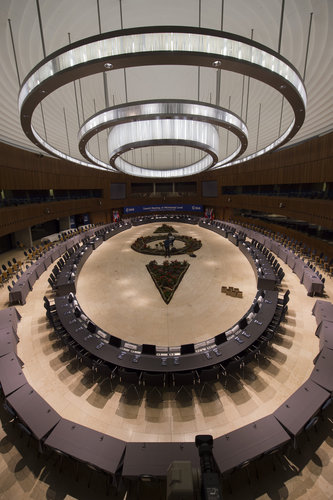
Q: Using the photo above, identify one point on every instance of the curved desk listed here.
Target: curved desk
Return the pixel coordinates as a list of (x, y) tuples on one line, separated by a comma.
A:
[(116, 356), (99, 347), (24, 284), (306, 275), (266, 278), (107, 453), (146, 219)]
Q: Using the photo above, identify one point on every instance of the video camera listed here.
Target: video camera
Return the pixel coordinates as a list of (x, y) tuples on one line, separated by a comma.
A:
[(186, 483)]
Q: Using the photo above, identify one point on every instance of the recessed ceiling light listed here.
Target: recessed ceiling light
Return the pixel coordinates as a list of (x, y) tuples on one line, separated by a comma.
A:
[(108, 66)]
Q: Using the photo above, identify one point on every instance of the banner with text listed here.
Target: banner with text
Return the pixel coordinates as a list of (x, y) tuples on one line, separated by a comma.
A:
[(163, 208)]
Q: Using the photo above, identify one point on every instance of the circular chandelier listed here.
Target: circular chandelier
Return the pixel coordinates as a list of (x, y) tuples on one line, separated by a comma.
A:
[(133, 135), (126, 121), (161, 46)]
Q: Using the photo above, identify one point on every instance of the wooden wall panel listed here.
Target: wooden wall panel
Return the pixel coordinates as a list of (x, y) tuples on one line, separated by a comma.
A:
[(20, 169), (308, 162), (315, 211), (16, 218), (313, 243), (311, 161), (100, 217)]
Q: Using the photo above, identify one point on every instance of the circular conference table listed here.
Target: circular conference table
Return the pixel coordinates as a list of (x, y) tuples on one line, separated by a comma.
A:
[(130, 460), (219, 350)]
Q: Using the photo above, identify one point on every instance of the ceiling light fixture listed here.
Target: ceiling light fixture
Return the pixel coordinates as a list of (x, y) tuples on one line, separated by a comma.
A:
[(159, 46), (155, 111), (195, 134)]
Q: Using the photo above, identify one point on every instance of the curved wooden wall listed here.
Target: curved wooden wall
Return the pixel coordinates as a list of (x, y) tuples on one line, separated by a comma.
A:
[(309, 162)]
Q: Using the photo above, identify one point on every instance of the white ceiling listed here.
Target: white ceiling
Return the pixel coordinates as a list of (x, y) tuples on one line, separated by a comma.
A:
[(80, 19)]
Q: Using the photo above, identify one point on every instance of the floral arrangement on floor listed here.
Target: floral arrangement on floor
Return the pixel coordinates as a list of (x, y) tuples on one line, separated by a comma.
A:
[(167, 276), (142, 245), (165, 229)]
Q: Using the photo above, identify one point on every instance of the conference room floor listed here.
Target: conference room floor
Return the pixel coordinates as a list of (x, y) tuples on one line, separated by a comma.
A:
[(116, 291)]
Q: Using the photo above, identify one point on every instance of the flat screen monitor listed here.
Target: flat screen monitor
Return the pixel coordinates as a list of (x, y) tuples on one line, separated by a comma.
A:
[(149, 349), (220, 338), (256, 308), (209, 189), (115, 341), (77, 312), (242, 323), (117, 191), (91, 327), (187, 349)]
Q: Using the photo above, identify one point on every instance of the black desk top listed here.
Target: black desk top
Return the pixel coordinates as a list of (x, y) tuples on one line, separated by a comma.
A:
[(138, 220), (78, 331), (11, 375), (323, 311), (79, 257), (297, 410), (8, 343), (325, 333), (248, 442), (139, 362), (322, 374), (89, 446), (266, 278), (155, 458), (9, 318), (33, 410)]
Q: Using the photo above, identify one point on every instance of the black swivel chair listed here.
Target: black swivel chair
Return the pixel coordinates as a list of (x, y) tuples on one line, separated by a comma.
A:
[(206, 377), (155, 383), (105, 371), (132, 380), (283, 301), (91, 327), (52, 283), (49, 306), (233, 365), (183, 382)]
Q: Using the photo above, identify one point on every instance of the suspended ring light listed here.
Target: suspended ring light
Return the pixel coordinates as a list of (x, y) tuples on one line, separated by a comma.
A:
[(160, 46), (195, 134), (155, 111)]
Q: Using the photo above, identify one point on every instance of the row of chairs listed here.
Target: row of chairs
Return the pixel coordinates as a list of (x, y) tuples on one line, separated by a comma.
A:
[(33, 253), (133, 380), (79, 354), (297, 246), (154, 383), (315, 270), (279, 272), (18, 276), (52, 279), (184, 382), (72, 232), (7, 272)]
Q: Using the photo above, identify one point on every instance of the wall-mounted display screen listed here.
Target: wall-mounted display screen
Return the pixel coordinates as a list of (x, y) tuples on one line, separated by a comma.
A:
[(209, 189), (118, 191)]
